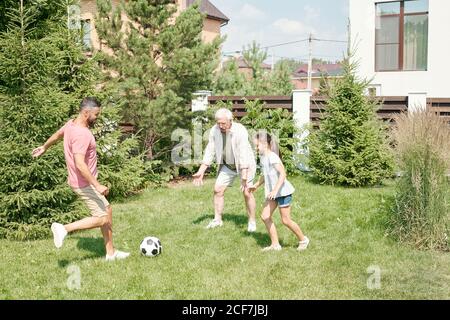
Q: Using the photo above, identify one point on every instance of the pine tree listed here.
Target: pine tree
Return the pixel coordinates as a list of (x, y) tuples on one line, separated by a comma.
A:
[(280, 80), (280, 124), (32, 107), (229, 81), (292, 64), (47, 13), (350, 147), (259, 83), (155, 63), (43, 76)]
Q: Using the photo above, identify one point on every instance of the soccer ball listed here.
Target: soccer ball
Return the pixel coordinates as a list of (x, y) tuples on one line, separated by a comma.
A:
[(150, 247)]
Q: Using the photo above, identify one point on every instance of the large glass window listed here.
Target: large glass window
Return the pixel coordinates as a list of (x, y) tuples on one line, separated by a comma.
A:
[(401, 35), (387, 43), (388, 8), (415, 42)]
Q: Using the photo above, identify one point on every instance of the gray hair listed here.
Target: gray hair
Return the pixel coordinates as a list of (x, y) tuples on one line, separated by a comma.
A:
[(224, 113)]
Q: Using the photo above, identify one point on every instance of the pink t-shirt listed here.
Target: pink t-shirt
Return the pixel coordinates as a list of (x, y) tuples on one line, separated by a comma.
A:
[(80, 140)]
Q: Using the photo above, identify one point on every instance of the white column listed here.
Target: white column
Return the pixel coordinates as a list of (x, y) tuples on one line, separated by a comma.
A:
[(417, 101), (200, 100), (301, 102), (182, 4), (301, 109)]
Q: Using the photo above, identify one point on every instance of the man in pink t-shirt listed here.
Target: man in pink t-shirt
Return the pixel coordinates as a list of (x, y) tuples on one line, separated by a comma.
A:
[(81, 159)]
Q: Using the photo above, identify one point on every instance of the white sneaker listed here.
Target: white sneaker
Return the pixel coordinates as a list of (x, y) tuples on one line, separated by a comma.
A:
[(251, 226), (59, 233), (118, 255), (272, 248), (302, 245), (214, 224)]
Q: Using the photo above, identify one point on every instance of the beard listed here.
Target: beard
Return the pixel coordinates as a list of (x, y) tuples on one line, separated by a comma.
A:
[(91, 122)]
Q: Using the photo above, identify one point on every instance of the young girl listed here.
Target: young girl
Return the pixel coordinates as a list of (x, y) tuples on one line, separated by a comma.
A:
[(278, 192)]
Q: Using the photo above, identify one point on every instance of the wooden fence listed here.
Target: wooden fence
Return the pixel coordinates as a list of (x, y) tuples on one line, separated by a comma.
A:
[(440, 106), (390, 107), (238, 103)]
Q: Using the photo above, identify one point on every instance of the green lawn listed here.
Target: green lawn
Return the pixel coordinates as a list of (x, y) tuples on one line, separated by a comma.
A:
[(344, 226)]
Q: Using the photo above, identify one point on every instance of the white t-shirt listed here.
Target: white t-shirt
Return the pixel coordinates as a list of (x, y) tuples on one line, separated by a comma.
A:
[(271, 175)]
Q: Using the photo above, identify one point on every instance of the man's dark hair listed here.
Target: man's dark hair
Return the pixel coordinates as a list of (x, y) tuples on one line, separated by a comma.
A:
[(89, 102)]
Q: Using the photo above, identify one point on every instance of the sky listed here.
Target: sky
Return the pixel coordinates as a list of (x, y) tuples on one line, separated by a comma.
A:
[(272, 22)]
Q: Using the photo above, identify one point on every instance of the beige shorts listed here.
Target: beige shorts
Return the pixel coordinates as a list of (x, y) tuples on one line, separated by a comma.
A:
[(226, 177), (95, 201)]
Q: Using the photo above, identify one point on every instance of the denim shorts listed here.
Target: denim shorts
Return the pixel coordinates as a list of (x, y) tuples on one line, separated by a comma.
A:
[(284, 202)]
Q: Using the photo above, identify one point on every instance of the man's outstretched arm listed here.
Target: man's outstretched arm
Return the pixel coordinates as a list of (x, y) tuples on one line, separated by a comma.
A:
[(58, 135)]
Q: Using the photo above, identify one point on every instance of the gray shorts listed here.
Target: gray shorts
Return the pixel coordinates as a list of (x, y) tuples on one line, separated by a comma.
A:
[(226, 177)]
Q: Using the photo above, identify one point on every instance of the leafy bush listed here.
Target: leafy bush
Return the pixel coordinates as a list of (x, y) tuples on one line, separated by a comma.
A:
[(279, 123), (119, 169), (420, 214), (122, 164)]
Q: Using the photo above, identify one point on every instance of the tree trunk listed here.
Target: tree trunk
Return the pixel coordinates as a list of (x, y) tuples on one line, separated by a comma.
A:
[(149, 141)]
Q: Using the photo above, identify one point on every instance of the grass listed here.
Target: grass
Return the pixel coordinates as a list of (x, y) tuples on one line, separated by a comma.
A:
[(345, 227)]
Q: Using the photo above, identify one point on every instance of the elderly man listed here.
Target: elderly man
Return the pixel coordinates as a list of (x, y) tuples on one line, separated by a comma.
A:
[(229, 145)]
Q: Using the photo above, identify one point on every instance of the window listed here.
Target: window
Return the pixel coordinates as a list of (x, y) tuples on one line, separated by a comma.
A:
[(401, 35), (86, 34)]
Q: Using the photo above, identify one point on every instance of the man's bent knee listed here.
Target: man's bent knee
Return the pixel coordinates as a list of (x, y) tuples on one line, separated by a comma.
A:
[(248, 194), (219, 191)]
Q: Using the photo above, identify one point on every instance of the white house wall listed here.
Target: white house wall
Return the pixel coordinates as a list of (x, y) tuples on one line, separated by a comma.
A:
[(434, 82)]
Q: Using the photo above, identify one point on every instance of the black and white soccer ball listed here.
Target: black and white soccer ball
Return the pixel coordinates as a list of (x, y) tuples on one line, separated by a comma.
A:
[(150, 247)]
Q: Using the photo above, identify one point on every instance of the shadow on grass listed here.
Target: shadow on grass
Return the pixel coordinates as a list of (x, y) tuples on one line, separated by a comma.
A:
[(238, 220), (95, 246), (203, 218), (261, 238)]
